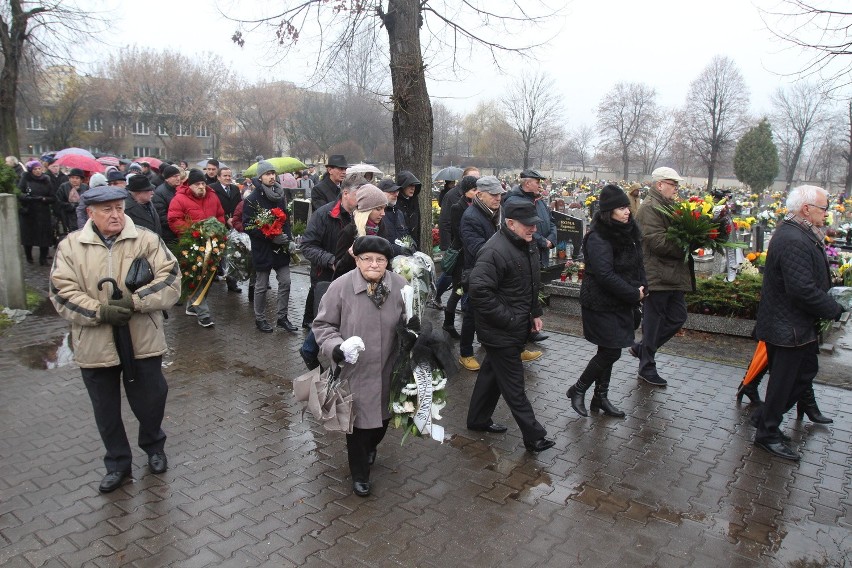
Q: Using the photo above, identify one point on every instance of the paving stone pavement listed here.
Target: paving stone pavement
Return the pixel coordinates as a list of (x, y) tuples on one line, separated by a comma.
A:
[(675, 483)]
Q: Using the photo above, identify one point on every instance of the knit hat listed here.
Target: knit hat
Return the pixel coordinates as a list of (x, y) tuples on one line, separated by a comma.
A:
[(97, 180), (468, 183), (195, 176), (371, 243), (170, 171), (369, 197), (612, 197), (264, 166), (134, 167)]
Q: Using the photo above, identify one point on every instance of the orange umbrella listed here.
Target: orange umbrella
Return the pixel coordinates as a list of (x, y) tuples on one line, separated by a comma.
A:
[(759, 362)]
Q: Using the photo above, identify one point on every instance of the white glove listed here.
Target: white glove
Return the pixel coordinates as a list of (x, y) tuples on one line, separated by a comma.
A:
[(351, 348)]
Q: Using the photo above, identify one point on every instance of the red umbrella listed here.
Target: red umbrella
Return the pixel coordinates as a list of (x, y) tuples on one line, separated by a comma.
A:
[(82, 162), (153, 162), (109, 161)]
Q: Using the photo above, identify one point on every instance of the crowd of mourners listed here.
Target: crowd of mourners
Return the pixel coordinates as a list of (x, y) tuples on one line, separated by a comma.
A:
[(497, 235)]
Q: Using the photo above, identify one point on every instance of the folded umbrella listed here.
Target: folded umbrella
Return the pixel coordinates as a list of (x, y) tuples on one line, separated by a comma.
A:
[(121, 335), (759, 362)]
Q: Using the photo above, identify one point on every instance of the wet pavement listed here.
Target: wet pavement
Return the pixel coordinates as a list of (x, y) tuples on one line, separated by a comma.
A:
[(675, 483)]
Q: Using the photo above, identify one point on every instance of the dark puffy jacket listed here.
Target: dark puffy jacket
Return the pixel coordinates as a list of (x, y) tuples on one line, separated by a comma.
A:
[(795, 284), (504, 287), (265, 255), (444, 218), (323, 193), (320, 239), (410, 206), (546, 228), (163, 196), (475, 230), (394, 226), (143, 215), (456, 213), (614, 269)]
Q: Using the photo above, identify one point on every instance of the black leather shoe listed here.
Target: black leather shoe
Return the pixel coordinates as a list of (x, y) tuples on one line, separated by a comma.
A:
[(113, 481), (371, 457), (158, 462), (451, 330), (654, 379), (284, 323), (779, 449), (263, 325), (494, 428), (361, 488), (539, 445), (537, 336)]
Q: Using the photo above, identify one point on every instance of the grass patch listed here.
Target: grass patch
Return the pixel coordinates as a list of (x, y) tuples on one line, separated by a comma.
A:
[(34, 302)]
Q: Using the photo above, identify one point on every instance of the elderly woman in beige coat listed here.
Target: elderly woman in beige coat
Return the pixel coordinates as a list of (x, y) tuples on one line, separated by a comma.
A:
[(365, 303)]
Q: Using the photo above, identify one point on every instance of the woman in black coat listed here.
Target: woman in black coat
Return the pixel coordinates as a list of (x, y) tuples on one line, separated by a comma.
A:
[(613, 286), (36, 200)]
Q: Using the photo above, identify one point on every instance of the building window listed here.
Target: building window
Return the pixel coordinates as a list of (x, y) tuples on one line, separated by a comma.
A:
[(161, 130), (184, 130), (141, 129), (37, 149), (34, 123), (94, 125), (202, 132), (119, 131)]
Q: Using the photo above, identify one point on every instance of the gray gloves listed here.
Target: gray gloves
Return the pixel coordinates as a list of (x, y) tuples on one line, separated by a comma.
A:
[(281, 239), (115, 315)]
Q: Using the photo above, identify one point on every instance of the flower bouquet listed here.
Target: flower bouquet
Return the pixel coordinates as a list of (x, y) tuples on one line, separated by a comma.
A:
[(419, 270), (199, 250), (238, 264), (694, 226), (270, 222)]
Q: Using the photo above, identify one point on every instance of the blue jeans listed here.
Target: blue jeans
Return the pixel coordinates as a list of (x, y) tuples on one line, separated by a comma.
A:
[(445, 281), (310, 347)]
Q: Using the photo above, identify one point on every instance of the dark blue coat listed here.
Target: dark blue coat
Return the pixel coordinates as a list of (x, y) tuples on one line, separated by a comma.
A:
[(475, 230), (264, 253)]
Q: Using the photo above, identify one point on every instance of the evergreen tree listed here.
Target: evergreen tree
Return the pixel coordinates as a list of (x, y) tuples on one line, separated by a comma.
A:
[(756, 157)]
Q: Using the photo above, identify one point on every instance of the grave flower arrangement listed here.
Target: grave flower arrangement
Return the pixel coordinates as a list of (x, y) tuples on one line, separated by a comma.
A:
[(199, 251)]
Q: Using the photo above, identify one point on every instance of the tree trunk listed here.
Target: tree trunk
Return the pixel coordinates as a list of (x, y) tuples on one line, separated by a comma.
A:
[(412, 110), (12, 35), (625, 162), (794, 162), (711, 168), (849, 155)]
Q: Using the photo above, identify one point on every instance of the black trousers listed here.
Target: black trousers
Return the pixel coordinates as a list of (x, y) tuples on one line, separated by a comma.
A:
[(359, 443), (664, 314), (147, 398), (793, 370), (502, 373)]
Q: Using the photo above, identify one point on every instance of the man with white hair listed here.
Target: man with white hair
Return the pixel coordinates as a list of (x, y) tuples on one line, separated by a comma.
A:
[(794, 298)]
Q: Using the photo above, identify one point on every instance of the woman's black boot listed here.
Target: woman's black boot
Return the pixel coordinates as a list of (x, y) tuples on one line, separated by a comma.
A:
[(808, 405), (28, 253), (600, 400), (750, 390), (577, 393)]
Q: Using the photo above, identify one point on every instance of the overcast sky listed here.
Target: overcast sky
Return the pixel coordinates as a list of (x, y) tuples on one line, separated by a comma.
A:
[(596, 43)]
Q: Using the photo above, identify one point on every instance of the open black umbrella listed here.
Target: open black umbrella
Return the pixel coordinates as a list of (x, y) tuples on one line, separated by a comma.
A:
[(121, 334)]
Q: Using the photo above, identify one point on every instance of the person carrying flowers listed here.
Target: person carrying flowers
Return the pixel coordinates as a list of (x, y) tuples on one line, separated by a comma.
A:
[(266, 221), (194, 202)]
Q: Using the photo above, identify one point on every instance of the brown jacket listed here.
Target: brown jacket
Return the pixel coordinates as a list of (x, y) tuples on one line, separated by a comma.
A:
[(82, 259), (664, 265), (346, 311)]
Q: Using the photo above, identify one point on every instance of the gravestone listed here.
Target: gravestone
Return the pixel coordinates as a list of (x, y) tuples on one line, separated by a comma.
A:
[(569, 230), (301, 210)]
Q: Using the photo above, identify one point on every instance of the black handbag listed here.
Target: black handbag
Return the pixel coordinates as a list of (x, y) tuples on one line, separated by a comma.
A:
[(140, 274)]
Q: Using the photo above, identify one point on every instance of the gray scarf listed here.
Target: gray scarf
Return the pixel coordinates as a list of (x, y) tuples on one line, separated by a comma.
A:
[(273, 192)]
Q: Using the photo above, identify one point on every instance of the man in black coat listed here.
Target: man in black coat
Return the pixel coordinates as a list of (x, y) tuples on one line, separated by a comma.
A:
[(794, 298), (229, 195), (328, 188), (163, 196), (504, 287), (138, 204)]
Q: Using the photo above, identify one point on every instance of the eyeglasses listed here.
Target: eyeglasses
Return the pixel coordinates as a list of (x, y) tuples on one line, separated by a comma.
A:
[(823, 209), (671, 183), (379, 261)]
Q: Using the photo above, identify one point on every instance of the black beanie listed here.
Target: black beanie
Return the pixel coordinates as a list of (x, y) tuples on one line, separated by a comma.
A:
[(195, 176), (468, 183), (612, 197), (169, 171)]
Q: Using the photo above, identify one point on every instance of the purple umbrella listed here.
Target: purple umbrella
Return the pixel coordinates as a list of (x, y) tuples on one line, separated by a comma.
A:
[(74, 151)]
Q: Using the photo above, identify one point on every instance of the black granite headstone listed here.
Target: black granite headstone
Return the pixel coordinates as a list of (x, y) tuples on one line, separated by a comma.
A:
[(568, 230), (301, 210)]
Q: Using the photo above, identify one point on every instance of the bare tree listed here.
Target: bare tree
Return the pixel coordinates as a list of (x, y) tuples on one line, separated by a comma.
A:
[(404, 20), (655, 141), (259, 112), (64, 110), (798, 111), (494, 140), (43, 27), (624, 115), (821, 30), (847, 150), (532, 104), (583, 143), (171, 93), (716, 109)]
